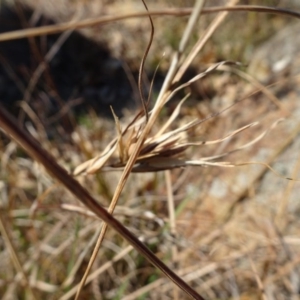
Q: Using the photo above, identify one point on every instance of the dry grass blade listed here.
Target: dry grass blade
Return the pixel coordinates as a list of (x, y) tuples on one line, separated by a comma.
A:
[(70, 279), (98, 272), (201, 42), (14, 256), (43, 66), (268, 167), (91, 261), (98, 162), (259, 86)]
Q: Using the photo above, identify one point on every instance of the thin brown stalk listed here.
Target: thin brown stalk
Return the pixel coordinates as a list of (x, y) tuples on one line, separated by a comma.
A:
[(33, 148), (52, 29), (141, 70)]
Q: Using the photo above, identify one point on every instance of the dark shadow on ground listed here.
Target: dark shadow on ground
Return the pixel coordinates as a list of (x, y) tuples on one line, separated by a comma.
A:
[(81, 76), (81, 69)]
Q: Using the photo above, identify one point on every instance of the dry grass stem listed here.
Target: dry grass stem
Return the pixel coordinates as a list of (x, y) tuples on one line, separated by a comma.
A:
[(172, 224), (52, 29), (133, 145), (9, 125)]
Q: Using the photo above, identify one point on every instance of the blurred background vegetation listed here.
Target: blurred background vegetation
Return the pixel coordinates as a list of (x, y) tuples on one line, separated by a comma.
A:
[(236, 233)]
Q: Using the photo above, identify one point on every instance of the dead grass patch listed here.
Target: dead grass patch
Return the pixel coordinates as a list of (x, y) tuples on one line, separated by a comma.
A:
[(212, 224)]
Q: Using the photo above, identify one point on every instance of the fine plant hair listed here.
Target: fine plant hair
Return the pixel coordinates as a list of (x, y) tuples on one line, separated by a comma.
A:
[(138, 146)]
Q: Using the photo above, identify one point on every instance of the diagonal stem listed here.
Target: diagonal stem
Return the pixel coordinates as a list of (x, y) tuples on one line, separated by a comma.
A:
[(10, 126)]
